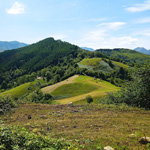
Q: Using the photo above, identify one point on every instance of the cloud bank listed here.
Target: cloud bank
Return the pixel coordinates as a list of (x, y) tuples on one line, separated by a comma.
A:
[(139, 7)]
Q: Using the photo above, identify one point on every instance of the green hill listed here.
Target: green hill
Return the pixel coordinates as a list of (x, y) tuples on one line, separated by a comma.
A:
[(99, 64), (127, 55), (22, 90), (77, 88), (36, 56)]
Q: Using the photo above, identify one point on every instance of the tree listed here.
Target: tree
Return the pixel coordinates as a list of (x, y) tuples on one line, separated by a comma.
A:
[(48, 75), (4, 85), (89, 99), (136, 92)]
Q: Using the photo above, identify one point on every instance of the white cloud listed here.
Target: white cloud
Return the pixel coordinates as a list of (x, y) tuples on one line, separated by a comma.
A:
[(140, 7), (103, 37), (144, 20), (112, 25), (92, 38), (142, 32), (16, 9), (125, 41)]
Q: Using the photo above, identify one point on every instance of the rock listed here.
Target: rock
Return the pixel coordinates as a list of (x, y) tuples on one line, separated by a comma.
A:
[(29, 116), (75, 111), (108, 148), (145, 140), (43, 116), (70, 104)]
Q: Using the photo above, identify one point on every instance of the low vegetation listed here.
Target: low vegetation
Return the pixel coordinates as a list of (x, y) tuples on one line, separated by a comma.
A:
[(6, 105), (136, 92), (19, 138), (91, 127)]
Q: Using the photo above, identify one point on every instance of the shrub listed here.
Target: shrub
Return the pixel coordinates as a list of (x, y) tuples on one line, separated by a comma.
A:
[(6, 104), (89, 99), (18, 138), (136, 92)]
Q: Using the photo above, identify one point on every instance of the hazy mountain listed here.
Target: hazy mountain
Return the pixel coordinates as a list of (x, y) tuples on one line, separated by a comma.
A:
[(142, 50), (4, 45), (87, 48)]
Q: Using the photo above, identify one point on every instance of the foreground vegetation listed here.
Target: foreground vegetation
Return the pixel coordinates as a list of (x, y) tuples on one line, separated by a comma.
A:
[(88, 127), (136, 92)]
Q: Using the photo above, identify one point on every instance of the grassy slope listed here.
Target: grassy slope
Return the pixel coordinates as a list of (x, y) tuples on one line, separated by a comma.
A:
[(90, 61), (72, 89), (91, 125), (98, 64), (21, 90), (120, 64), (100, 90)]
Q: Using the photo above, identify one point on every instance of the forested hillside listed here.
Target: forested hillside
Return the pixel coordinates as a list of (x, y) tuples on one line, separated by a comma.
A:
[(129, 56), (36, 56)]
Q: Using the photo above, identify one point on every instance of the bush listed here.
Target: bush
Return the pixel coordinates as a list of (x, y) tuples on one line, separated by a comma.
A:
[(89, 99), (6, 104), (136, 92), (39, 97), (18, 138)]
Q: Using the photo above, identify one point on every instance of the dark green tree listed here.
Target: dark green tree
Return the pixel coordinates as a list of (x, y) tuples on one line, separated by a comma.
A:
[(136, 92), (89, 99), (4, 85)]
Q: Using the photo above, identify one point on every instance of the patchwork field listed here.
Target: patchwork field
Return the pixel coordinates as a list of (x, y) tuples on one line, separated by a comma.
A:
[(99, 64), (80, 87), (92, 126)]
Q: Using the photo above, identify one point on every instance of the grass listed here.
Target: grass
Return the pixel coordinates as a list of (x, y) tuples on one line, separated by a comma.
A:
[(23, 89), (81, 87), (93, 126), (91, 61), (72, 89), (120, 64), (98, 64)]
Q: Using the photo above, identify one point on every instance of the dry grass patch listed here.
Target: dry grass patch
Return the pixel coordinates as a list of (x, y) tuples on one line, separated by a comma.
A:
[(92, 125)]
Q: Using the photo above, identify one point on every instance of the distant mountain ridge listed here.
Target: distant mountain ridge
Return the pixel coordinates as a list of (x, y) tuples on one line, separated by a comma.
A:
[(127, 55), (142, 50), (5, 45)]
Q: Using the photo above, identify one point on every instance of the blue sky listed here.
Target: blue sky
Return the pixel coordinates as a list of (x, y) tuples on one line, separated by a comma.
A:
[(86, 23)]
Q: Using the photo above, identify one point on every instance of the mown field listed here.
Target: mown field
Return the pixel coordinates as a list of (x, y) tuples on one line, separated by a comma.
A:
[(79, 89), (92, 126)]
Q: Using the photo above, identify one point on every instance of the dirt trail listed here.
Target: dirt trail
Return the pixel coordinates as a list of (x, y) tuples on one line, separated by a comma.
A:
[(51, 88)]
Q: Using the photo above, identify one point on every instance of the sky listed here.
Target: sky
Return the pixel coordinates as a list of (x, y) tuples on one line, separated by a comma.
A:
[(86, 23)]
